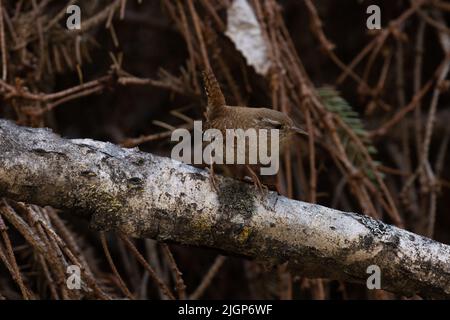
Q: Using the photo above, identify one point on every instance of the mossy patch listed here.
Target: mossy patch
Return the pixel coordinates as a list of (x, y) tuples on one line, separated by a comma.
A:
[(236, 198), (236, 207)]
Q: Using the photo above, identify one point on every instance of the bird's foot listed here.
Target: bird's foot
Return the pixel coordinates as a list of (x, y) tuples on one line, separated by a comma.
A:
[(212, 178), (263, 190)]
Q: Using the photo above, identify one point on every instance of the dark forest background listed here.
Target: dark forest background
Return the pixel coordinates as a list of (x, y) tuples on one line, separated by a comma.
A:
[(375, 103)]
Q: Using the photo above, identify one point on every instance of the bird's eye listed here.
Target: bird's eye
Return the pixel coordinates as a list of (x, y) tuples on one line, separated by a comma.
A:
[(274, 124)]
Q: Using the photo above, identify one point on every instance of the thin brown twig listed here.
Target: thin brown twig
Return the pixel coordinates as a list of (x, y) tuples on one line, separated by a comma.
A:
[(312, 158), (199, 33), (145, 264), (382, 36), (123, 5), (45, 97), (133, 142), (184, 28), (206, 281), (12, 261), (121, 283), (177, 275), (3, 45), (399, 115)]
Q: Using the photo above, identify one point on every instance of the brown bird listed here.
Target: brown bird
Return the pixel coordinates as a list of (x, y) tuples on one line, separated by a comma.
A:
[(221, 116)]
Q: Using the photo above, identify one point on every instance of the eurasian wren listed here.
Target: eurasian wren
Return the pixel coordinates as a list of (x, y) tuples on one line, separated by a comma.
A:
[(221, 116)]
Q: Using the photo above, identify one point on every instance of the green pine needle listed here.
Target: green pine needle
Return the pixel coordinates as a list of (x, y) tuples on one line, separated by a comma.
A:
[(336, 104)]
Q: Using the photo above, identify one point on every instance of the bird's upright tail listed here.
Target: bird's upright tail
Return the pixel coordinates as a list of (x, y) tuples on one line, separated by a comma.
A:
[(216, 99)]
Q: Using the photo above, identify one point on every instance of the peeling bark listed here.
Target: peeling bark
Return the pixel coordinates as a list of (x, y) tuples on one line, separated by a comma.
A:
[(147, 196)]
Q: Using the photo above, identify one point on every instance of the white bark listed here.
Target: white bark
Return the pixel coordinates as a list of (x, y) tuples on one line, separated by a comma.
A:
[(144, 195)]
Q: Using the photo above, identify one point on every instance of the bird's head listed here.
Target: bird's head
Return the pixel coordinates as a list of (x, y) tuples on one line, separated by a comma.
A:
[(272, 119)]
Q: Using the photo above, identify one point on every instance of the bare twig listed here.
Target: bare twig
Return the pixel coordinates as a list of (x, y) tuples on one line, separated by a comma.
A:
[(145, 264), (3, 45), (178, 276), (206, 281), (122, 284)]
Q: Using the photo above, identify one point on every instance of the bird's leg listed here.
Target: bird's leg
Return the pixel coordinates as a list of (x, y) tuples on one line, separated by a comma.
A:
[(262, 188), (212, 177)]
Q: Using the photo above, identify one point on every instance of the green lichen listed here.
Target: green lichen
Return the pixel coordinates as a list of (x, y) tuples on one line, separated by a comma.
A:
[(105, 207), (236, 198), (244, 235)]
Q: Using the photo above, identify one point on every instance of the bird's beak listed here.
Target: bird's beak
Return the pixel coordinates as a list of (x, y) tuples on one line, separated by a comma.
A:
[(299, 130)]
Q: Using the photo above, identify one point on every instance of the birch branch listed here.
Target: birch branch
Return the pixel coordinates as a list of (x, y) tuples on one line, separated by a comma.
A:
[(147, 196)]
